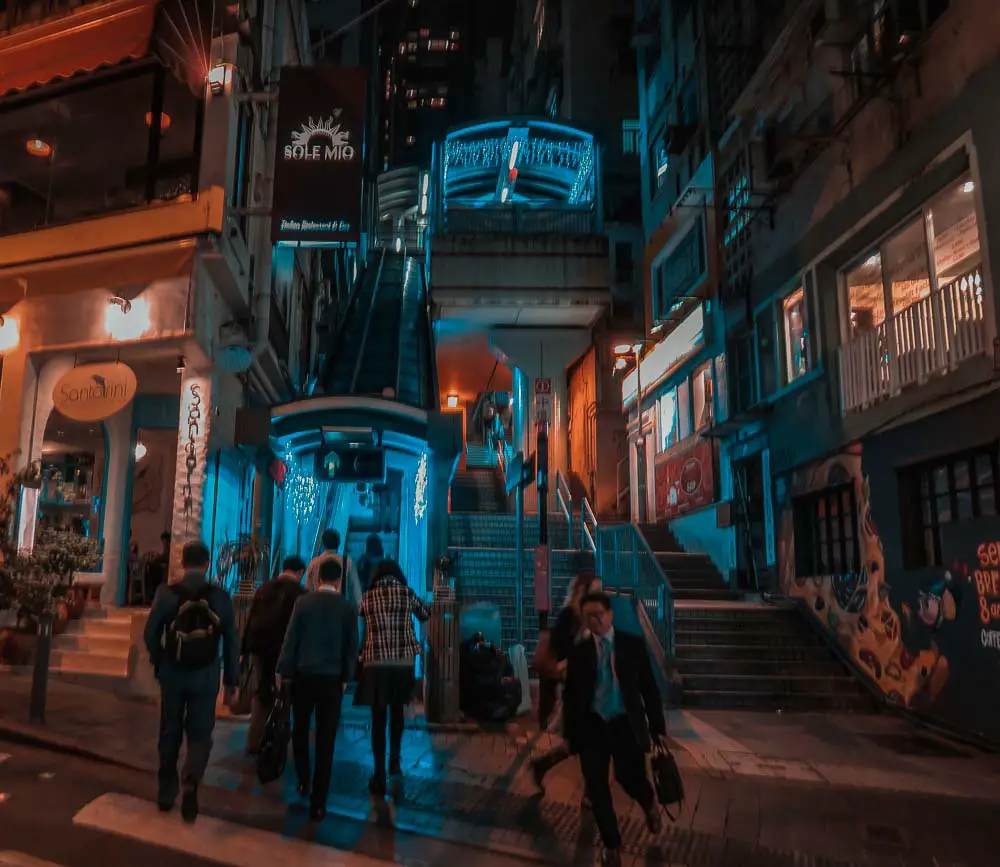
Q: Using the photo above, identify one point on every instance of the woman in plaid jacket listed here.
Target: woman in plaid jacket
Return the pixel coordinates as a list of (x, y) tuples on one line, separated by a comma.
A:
[(388, 655)]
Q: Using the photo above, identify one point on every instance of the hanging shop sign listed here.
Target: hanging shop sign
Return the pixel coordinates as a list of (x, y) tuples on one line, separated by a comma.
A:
[(685, 482), (319, 164), (94, 392), (347, 463)]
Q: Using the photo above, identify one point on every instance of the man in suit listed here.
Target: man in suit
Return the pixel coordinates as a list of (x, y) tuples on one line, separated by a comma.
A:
[(319, 657), (612, 710)]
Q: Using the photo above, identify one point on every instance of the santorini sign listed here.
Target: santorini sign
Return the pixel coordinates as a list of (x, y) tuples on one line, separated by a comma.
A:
[(93, 392)]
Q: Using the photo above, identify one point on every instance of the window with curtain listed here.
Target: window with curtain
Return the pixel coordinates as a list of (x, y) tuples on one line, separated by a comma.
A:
[(866, 294), (796, 335)]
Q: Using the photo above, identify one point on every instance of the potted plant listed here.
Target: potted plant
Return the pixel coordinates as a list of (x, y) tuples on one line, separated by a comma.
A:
[(240, 561)]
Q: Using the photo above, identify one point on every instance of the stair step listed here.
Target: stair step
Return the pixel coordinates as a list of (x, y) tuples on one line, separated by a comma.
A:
[(763, 667), (691, 622), (799, 684), (716, 652), (761, 701), (100, 627), (702, 594), (75, 662), (83, 642), (702, 637)]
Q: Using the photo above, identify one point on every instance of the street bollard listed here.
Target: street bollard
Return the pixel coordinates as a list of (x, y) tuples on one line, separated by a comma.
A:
[(40, 674)]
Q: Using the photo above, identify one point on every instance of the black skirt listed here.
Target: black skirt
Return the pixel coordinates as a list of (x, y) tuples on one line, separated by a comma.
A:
[(384, 684)]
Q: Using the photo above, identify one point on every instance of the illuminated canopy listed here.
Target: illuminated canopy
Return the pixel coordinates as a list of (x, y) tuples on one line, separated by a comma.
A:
[(522, 161)]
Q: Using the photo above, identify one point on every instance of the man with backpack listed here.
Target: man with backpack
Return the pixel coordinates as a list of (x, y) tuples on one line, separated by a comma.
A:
[(265, 631), (188, 624)]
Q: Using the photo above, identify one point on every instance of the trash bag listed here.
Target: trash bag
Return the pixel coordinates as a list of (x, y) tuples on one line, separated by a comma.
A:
[(273, 754), (488, 689)]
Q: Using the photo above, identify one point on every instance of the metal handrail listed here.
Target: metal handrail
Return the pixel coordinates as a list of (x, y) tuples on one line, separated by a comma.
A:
[(403, 326), (564, 499), (482, 395), (625, 560), (622, 490), (588, 520)]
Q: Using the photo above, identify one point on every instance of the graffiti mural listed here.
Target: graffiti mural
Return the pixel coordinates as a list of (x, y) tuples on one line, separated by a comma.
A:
[(895, 639)]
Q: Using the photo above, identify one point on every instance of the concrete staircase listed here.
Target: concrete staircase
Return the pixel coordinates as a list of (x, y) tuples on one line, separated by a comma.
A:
[(759, 657), (479, 456), (482, 549), (477, 490), (96, 645), (753, 656)]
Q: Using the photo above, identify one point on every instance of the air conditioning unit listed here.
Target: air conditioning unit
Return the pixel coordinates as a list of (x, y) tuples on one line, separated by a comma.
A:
[(233, 354)]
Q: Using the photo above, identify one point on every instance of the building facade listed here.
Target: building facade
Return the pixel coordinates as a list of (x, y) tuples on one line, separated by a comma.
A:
[(859, 173), (142, 306)]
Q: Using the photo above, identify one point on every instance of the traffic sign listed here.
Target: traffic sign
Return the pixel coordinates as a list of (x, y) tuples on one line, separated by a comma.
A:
[(543, 401)]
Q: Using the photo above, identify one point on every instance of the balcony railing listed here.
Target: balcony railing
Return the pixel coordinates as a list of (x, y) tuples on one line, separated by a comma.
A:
[(933, 336), (508, 220)]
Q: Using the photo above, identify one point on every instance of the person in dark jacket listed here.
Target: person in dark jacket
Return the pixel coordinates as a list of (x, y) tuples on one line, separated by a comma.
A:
[(263, 636), (386, 681), (318, 657), (188, 694), (368, 562), (562, 637), (612, 710)]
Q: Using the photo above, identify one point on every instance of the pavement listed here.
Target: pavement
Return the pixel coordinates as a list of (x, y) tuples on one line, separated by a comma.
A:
[(768, 789)]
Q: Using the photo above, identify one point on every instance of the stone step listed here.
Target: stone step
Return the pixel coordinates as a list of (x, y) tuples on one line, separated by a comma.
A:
[(115, 627), (804, 655), (760, 667), (702, 593), (701, 637), (691, 621), (802, 703), (119, 615), (83, 642), (797, 684), (682, 559), (739, 611), (75, 662)]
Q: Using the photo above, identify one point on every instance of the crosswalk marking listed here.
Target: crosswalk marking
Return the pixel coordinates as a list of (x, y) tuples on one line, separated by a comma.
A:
[(211, 839)]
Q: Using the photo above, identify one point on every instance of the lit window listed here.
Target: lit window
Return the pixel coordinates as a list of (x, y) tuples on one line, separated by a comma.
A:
[(411, 140), (411, 104), (411, 92), (438, 102), (667, 420), (701, 395), (437, 44), (454, 34), (411, 47), (796, 335), (425, 32), (630, 136), (454, 46), (402, 48), (413, 4)]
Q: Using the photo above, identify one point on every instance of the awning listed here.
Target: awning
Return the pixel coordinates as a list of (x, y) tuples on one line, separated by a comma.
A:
[(122, 272), (96, 36)]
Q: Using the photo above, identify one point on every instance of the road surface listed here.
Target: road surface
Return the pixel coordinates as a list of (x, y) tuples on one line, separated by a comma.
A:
[(60, 811)]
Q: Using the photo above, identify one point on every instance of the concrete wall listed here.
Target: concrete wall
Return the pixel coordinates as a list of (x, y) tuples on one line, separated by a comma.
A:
[(699, 533)]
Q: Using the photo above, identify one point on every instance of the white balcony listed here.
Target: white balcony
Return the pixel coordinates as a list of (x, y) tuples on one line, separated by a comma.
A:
[(931, 337)]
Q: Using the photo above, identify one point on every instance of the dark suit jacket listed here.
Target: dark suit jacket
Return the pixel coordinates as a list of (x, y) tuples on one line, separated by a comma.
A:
[(322, 637), (641, 696)]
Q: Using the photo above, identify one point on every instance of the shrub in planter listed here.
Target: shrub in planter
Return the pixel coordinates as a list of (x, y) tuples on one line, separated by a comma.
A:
[(60, 618), (76, 602), (16, 647)]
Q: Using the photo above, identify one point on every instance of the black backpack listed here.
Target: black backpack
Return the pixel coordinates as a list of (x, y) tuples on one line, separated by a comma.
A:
[(193, 636)]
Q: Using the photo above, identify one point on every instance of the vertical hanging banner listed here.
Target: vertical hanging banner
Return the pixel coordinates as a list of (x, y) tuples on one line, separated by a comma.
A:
[(319, 163)]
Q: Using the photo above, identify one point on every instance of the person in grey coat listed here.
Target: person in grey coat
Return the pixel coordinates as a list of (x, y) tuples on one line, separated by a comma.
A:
[(188, 623)]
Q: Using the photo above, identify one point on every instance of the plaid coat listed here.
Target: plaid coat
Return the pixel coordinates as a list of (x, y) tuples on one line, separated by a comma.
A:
[(388, 608)]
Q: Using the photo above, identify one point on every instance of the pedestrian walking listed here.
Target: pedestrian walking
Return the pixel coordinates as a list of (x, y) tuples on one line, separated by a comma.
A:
[(368, 561), (331, 550), (188, 623), (550, 662), (270, 613), (318, 658), (386, 681), (612, 710)]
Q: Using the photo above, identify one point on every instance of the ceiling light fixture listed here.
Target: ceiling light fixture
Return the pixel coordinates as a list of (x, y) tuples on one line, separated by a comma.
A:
[(452, 401), (968, 187), (38, 148), (140, 451)]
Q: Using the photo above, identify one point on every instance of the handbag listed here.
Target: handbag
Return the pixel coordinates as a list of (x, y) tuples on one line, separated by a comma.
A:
[(667, 781), (273, 754)]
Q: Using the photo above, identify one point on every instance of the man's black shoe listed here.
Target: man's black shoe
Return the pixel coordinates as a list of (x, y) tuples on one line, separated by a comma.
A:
[(189, 802), (165, 805), (303, 790), (317, 814), (376, 786)]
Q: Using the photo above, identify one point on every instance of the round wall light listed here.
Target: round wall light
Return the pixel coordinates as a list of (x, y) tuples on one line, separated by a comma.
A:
[(38, 148)]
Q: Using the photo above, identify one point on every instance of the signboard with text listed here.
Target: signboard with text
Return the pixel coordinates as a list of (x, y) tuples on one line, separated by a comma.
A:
[(685, 481), (319, 163), (93, 392), (543, 401)]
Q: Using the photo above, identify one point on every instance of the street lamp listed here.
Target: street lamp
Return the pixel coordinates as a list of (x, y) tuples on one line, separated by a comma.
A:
[(624, 354)]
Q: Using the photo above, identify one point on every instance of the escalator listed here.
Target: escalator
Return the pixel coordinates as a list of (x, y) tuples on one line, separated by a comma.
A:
[(383, 348)]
